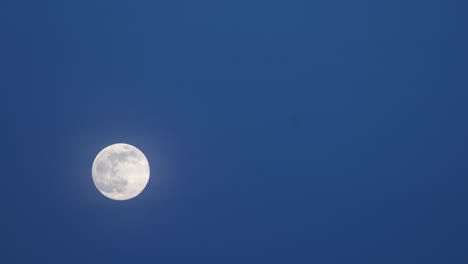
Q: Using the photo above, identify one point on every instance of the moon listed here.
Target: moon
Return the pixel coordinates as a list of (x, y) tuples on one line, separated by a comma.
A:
[(120, 171)]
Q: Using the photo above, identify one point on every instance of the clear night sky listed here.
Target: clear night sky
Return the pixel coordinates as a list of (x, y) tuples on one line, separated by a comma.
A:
[(291, 131)]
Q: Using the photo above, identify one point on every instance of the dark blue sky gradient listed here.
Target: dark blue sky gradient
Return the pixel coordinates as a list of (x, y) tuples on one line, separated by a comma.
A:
[(277, 131)]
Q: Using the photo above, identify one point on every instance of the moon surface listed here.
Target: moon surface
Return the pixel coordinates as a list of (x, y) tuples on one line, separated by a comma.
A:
[(120, 171)]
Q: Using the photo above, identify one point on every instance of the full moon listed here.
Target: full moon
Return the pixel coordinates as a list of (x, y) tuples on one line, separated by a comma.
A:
[(120, 171)]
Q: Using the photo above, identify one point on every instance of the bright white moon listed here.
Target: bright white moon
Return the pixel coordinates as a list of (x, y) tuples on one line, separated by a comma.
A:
[(120, 171)]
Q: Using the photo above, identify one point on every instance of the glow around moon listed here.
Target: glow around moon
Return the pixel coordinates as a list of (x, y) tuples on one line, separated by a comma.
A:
[(120, 171)]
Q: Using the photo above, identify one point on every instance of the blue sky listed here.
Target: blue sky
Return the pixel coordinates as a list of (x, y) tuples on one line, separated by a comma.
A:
[(277, 131)]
